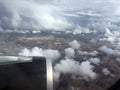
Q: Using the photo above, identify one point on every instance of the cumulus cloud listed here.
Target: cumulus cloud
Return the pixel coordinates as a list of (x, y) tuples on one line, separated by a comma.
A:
[(93, 53), (66, 66), (69, 52), (111, 31), (107, 27), (93, 40), (108, 32), (109, 51), (80, 30), (84, 70), (50, 54), (33, 52), (74, 44), (109, 36), (95, 61), (89, 13), (107, 72)]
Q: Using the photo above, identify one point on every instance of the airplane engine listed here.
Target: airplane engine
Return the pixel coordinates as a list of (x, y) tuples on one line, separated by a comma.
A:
[(25, 73)]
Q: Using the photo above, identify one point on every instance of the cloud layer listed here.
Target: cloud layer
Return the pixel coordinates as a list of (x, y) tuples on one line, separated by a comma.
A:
[(31, 15), (55, 14)]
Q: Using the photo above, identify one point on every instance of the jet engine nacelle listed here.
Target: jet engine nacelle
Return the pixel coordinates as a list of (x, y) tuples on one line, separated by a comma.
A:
[(25, 73)]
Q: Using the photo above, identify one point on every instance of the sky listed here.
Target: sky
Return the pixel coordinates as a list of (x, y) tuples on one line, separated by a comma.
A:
[(55, 14)]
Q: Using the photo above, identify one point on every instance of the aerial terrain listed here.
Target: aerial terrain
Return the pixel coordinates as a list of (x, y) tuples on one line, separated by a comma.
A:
[(81, 38)]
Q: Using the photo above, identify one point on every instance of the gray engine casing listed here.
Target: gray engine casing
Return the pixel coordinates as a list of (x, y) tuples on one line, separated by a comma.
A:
[(25, 73)]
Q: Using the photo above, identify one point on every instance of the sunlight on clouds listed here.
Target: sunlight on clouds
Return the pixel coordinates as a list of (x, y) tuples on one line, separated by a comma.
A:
[(40, 15)]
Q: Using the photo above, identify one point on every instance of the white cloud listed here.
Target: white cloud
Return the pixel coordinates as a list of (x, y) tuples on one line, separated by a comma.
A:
[(50, 54), (93, 53), (66, 66), (40, 15), (108, 32), (33, 52), (69, 52), (25, 52), (36, 52), (80, 30), (50, 14), (95, 61), (109, 51), (56, 76), (16, 19), (106, 71), (84, 70), (109, 36), (93, 40), (74, 44)]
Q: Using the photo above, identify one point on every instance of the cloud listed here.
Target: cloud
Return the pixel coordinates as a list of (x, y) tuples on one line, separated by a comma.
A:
[(93, 53), (33, 52), (66, 66), (71, 15), (57, 14), (109, 35), (69, 52), (108, 32), (108, 8), (108, 29), (89, 13), (95, 61), (50, 54), (32, 15), (56, 76), (84, 69), (106, 72), (109, 51), (80, 30), (74, 44)]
